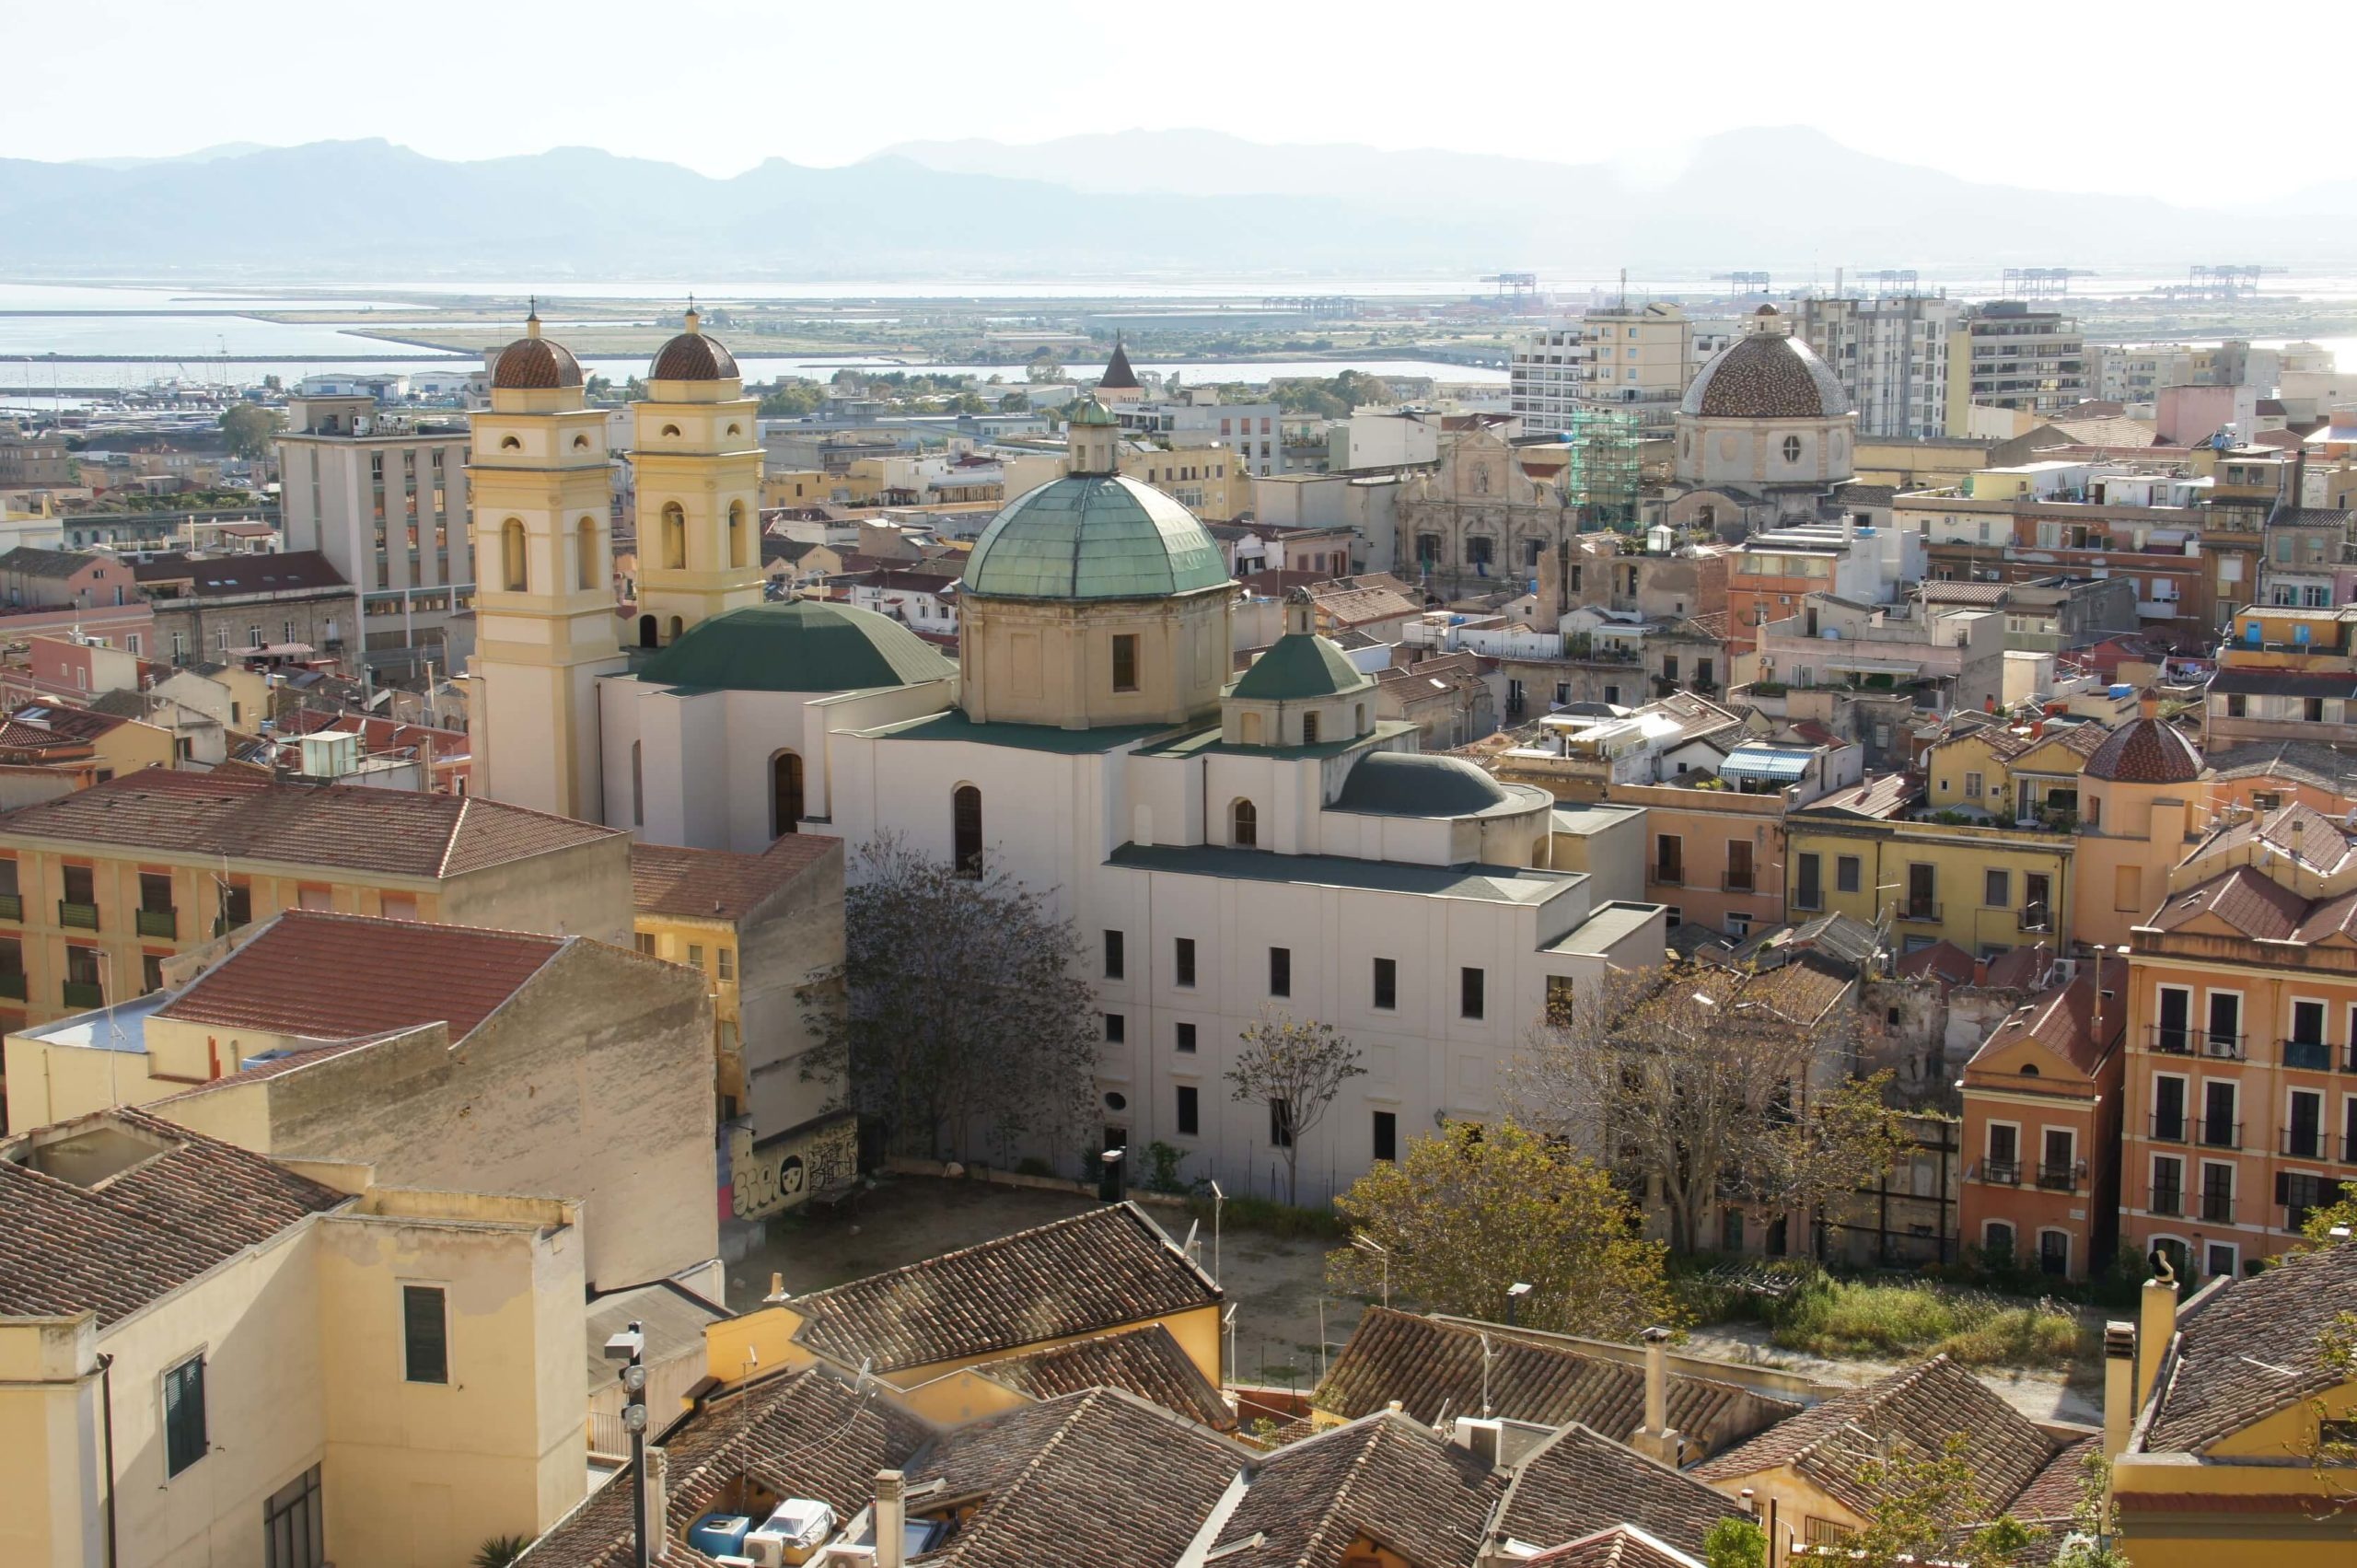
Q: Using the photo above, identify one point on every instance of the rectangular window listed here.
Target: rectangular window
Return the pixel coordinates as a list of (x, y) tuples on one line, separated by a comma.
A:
[(1386, 982), (1808, 886), (727, 958), (1185, 1037), (1280, 1124), (1183, 958), (1387, 1135), (184, 1440), (2168, 1185), (695, 956), (646, 942), (1562, 993), (1846, 873), (294, 1535), (1281, 971), (1116, 1028), (1997, 889), (1469, 992), (1670, 859), (1738, 877), (426, 1335), (1125, 661), (1972, 786), (1188, 1111), (1113, 955)]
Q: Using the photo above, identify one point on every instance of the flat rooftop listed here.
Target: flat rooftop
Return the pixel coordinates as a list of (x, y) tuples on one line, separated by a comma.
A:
[(1480, 884)]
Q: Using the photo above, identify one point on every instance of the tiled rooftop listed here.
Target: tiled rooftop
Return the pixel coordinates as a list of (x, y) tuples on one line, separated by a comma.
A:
[(713, 883), (1147, 1362), (2255, 1347)]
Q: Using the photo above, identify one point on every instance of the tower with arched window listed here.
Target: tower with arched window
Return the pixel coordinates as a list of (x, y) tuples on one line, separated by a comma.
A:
[(697, 457), (542, 485)]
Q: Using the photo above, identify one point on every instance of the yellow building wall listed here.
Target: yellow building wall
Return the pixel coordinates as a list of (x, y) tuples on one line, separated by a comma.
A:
[(1960, 857), (796, 487), (50, 1495), (673, 938), (132, 745)]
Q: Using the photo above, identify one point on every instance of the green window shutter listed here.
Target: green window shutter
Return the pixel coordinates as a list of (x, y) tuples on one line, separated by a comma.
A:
[(425, 1338)]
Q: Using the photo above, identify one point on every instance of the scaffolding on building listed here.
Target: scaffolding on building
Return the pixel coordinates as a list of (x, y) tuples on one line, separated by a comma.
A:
[(1600, 480)]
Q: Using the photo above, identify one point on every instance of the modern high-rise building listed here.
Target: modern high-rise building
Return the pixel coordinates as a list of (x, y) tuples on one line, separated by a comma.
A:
[(2005, 354), (1891, 354), (1635, 358)]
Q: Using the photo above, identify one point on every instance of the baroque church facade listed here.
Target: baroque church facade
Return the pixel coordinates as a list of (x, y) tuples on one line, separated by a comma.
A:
[(1223, 844)]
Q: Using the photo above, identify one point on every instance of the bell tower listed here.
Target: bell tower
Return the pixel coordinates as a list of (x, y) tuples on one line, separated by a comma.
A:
[(698, 461), (542, 491)]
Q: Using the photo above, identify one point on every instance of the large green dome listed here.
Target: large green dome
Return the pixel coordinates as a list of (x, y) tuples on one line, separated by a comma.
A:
[(1094, 536), (799, 646)]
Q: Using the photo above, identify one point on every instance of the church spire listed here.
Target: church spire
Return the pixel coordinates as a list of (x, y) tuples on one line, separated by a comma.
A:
[(1118, 376)]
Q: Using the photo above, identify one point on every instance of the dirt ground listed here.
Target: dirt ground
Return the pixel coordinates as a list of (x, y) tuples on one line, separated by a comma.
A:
[(1277, 1283)]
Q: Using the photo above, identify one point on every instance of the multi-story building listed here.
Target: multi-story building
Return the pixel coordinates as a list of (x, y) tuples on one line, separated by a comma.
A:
[(384, 498), (2005, 354), (2135, 373), (2309, 562), (210, 610), (2284, 673), (1951, 659), (1891, 353), (1638, 360), (99, 889), (2243, 1029), (1196, 416), (33, 460), (2041, 1125)]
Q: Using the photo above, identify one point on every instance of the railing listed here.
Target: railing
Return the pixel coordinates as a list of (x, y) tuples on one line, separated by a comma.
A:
[(2225, 1047), (2003, 1173), (2168, 1201), (1922, 911), (164, 923), (83, 993), (2181, 1039), (82, 917), (1669, 876), (12, 906), (13, 985), (2313, 1055), (2061, 1178), (1737, 882), (2216, 1135), (2218, 1208), (2168, 1128), (2305, 1143)]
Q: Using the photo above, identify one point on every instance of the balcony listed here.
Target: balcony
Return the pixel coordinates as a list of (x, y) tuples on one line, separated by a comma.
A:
[(13, 985), (2218, 1135), (1737, 882), (2313, 1055), (2167, 1128), (2179, 1039), (77, 917), (2168, 1201), (1920, 911), (2306, 1143), (83, 995), (12, 906), (164, 923), (2218, 1208), (1669, 877), (2061, 1178), (2000, 1172), (2036, 917)]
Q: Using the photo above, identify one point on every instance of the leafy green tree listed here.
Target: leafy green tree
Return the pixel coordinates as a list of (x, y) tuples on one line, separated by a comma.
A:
[(792, 395), (1043, 366), (1926, 1500), (499, 1552), (1735, 1543), (1013, 402), (1477, 1209), (1295, 1068), (247, 428)]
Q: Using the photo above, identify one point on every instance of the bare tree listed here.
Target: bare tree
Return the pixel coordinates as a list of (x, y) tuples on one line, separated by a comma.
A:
[(1296, 1069), (960, 1002), (1709, 1082)]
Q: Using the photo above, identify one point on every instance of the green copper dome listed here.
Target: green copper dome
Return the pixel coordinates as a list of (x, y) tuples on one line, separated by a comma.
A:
[(799, 646), (1298, 666), (1094, 536)]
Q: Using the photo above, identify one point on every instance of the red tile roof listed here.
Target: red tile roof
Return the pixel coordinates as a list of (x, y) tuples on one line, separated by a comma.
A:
[(2061, 1020), (381, 831), (2247, 900), (2146, 752), (718, 883), (323, 976)]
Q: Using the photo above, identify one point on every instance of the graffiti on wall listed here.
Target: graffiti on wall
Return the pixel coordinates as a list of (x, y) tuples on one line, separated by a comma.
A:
[(782, 1175)]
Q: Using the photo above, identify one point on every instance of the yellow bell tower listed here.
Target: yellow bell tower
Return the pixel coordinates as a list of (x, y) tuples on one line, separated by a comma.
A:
[(542, 484), (698, 463)]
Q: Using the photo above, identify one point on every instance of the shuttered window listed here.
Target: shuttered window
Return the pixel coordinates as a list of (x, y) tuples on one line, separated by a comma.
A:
[(426, 1335), (184, 1441)]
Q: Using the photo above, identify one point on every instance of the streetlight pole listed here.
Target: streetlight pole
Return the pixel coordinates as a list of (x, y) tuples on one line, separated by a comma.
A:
[(1219, 1201), (630, 1348)]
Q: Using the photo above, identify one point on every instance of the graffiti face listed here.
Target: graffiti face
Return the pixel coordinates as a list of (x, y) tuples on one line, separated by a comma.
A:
[(783, 1176)]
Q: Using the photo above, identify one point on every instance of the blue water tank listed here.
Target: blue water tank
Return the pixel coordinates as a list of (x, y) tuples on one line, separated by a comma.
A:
[(720, 1535)]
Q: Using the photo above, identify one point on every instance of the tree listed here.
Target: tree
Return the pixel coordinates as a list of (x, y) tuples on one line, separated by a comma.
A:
[(1043, 366), (1735, 1543), (1692, 1078), (1013, 402), (247, 428), (498, 1551), (1477, 1209), (958, 1004), (1296, 1069), (1841, 1140), (793, 395), (1930, 1506), (2094, 1522)]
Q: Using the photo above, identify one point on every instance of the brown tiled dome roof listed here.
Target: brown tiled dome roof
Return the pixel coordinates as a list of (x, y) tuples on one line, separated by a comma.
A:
[(691, 357), (2146, 752), (536, 363), (1766, 375)]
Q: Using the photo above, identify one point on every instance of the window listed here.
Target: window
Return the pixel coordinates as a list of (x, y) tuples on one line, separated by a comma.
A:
[(645, 940), (695, 956), (2220, 1129), (1244, 825), (1114, 958), (675, 536), (1809, 887), (1469, 992), (1846, 873), (1309, 729), (1792, 449), (151, 973), (1188, 1111), (2168, 1185), (584, 555), (1281, 971), (736, 533), (1184, 1037), (1183, 960), (965, 831), (2057, 1168), (2054, 1252), (1997, 1243), (1280, 1124), (1387, 1135), (1386, 982), (1738, 877), (2304, 1126), (1125, 661), (292, 1532), (1563, 993), (426, 1335), (785, 793), (725, 962), (184, 1440), (1972, 786), (1670, 859), (1116, 1028), (2037, 901), (511, 559), (1997, 889)]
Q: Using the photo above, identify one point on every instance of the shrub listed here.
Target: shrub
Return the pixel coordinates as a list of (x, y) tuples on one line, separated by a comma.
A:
[(1267, 1215), (1032, 1165), (1855, 1318), (1162, 1161)]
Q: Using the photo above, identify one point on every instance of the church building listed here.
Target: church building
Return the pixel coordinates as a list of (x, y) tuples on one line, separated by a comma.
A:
[(1223, 844)]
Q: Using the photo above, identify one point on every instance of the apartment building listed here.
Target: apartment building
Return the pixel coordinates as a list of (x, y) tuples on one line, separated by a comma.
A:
[(384, 499), (1638, 359), (1772, 573), (292, 604), (2005, 354), (2309, 558), (1951, 659), (2135, 373), (1891, 354), (99, 889), (2284, 673), (2240, 1112), (1196, 417)]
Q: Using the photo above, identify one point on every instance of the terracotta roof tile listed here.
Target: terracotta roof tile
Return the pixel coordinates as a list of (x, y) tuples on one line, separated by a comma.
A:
[(2146, 752), (1105, 1268), (1147, 1362), (1580, 1481), (2251, 902), (115, 1244), (713, 883), (1951, 964), (1623, 1546), (1384, 1477), (321, 976), (385, 832), (2255, 1348), (2055, 1492), (2061, 1020)]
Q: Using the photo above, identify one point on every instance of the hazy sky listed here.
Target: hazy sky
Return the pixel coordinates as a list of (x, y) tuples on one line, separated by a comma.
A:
[(2129, 94)]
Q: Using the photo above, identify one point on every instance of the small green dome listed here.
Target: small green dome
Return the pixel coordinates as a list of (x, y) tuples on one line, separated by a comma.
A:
[(1094, 536), (1088, 410), (799, 646), (1414, 784), (1298, 666)]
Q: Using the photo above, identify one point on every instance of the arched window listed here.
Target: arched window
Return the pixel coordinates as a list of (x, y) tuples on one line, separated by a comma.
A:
[(670, 430), (965, 831), (1792, 449), (736, 533), (509, 444), (1359, 719), (675, 536), (735, 430), (585, 549), (1244, 825), (637, 785), (1309, 729), (677, 626), (581, 443), (511, 557), (1997, 1243), (785, 793), (648, 638)]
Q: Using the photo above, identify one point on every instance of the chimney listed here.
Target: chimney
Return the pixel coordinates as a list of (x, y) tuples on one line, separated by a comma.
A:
[(2119, 1385), (1655, 1438), (890, 1515), (2156, 1327)]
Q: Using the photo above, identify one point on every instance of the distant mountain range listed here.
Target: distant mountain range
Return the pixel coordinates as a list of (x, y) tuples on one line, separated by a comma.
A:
[(1135, 202)]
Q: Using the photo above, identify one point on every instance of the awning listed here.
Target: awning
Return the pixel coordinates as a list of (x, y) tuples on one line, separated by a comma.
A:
[(1867, 666), (1760, 762)]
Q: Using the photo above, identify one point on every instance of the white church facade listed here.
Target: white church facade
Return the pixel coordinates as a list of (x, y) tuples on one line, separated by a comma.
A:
[(1223, 844)]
